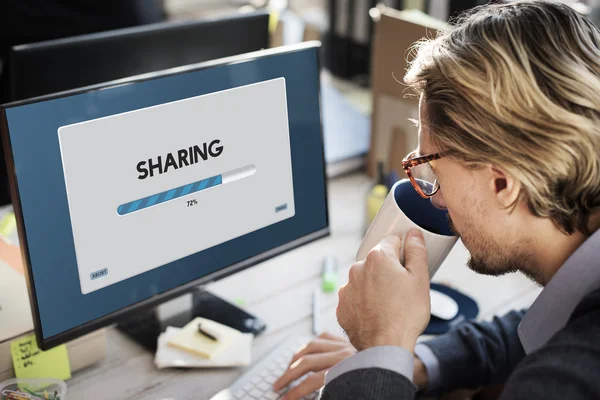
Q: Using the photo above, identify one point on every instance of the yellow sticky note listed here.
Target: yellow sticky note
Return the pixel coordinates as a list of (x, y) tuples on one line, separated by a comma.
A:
[(273, 20), (31, 362), (8, 223)]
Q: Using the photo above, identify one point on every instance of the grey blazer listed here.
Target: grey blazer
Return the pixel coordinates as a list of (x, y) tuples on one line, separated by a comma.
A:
[(566, 367)]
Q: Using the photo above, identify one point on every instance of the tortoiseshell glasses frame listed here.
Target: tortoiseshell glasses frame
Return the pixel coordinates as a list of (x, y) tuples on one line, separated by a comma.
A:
[(410, 161)]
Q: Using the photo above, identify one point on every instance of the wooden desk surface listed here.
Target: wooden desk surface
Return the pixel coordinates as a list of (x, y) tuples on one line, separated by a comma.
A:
[(279, 291)]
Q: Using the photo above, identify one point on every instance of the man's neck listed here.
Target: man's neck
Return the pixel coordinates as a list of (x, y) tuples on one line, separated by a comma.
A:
[(551, 248)]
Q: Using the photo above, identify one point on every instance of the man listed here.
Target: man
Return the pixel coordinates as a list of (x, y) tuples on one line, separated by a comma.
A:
[(510, 117)]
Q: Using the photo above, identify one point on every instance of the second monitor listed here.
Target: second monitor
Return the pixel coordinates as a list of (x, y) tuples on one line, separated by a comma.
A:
[(63, 64), (54, 66)]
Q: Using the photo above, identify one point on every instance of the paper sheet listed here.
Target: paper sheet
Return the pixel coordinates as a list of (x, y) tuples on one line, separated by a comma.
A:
[(11, 255)]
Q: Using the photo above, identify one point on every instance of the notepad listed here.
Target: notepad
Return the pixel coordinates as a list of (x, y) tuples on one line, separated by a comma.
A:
[(239, 353), (189, 339)]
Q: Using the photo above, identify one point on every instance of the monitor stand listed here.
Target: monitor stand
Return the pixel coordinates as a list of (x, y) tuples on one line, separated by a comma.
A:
[(146, 326)]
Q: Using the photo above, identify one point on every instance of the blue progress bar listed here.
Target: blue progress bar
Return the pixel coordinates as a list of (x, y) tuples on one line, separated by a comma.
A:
[(168, 195)]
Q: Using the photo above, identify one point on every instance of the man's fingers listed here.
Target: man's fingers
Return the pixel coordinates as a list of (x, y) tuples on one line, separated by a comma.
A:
[(415, 253), (319, 345), (311, 384), (390, 244), (331, 336), (306, 364)]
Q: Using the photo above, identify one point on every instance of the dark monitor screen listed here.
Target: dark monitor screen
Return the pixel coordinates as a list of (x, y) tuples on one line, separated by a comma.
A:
[(129, 194), (63, 64)]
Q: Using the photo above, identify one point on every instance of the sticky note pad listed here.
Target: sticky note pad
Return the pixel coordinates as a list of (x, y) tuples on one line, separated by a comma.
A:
[(273, 20), (31, 362), (8, 223), (189, 339)]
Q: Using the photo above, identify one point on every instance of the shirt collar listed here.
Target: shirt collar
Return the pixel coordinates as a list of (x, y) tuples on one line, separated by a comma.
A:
[(576, 278)]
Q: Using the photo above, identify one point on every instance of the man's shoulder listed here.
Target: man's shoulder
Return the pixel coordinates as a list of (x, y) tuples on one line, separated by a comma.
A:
[(583, 326), (577, 342), (590, 304), (567, 366)]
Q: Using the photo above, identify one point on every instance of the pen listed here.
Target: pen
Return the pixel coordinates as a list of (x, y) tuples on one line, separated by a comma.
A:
[(316, 307), (206, 332)]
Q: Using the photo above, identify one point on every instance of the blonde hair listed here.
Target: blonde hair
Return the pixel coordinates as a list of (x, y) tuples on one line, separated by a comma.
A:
[(517, 85)]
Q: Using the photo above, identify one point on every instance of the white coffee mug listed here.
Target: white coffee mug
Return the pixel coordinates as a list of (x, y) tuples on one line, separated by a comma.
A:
[(403, 210)]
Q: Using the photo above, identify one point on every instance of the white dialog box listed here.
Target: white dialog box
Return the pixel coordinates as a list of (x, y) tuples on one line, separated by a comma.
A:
[(151, 186)]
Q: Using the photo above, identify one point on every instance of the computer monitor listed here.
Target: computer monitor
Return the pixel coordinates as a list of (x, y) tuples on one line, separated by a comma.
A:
[(57, 65), (130, 193), (63, 64)]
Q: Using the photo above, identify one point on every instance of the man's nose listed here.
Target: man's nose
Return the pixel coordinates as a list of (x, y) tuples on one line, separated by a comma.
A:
[(438, 200)]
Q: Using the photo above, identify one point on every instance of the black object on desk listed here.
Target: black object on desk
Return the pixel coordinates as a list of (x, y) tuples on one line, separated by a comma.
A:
[(145, 327), (204, 332)]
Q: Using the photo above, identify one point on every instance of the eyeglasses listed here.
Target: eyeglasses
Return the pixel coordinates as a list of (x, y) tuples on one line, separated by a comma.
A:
[(421, 173)]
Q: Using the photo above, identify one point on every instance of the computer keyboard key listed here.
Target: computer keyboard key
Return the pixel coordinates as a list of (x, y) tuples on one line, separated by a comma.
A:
[(256, 380), (272, 396), (264, 373), (239, 394), (257, 394), (271, 379), (263, 386), (248, 387)]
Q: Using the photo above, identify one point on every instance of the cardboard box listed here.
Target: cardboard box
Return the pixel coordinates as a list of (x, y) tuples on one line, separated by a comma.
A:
[(393, 103)]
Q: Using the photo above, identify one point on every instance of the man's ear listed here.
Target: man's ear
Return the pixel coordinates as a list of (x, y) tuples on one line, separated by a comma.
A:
[(504, 186)]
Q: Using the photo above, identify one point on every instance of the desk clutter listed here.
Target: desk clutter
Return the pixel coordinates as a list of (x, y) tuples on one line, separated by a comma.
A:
[(33, 389), (203, 343)]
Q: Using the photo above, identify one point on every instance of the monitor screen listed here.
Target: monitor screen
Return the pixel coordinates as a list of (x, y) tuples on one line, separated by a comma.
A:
[(129, 194)]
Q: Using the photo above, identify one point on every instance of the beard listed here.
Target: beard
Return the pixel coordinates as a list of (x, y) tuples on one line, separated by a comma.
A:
[(487, 257)]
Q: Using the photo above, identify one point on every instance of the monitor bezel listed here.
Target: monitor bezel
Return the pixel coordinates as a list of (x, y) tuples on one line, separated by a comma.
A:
[(153, 301)]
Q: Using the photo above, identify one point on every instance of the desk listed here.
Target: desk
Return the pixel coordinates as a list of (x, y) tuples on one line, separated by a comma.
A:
[(279, 291)]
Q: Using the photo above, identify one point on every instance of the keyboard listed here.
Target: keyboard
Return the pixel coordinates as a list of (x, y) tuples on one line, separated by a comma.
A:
[(257, 382)]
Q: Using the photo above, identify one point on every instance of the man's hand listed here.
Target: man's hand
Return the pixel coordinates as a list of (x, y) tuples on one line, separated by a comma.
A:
[(316, 358), (385, 303)]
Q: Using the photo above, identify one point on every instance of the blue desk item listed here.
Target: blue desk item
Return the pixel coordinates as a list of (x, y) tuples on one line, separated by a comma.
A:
[(467, 310)]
